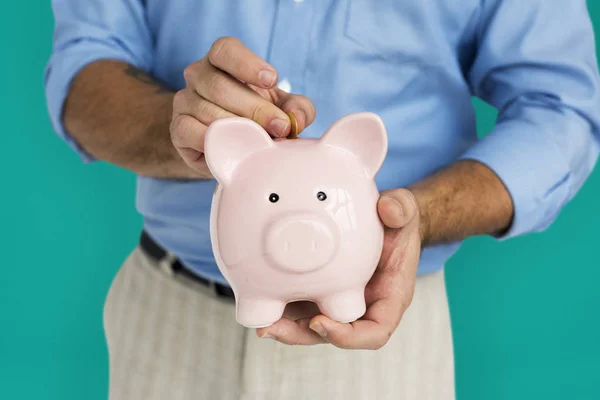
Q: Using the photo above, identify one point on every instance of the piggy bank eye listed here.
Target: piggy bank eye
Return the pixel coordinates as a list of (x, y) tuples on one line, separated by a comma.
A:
[(273, 197), (321, 196)]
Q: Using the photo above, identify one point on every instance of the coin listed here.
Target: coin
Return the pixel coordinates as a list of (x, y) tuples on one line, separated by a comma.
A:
[(294, 129)]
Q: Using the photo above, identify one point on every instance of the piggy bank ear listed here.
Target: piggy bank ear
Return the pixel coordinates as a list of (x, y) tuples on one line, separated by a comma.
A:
[(361, 134), (230, 141)]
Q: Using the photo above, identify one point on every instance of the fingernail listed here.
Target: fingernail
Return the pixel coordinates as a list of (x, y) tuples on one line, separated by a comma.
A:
[(267, 77), (278, 126), (317, 327), (267, 336)]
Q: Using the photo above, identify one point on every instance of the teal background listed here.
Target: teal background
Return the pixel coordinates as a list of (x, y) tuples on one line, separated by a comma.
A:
[(525, 312)]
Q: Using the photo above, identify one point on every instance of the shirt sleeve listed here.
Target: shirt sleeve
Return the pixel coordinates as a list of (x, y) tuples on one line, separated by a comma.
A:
[(87, 31), (536, 63)]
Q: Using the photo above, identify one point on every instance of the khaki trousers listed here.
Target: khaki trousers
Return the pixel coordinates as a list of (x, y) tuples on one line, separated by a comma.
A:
[(169, 339)]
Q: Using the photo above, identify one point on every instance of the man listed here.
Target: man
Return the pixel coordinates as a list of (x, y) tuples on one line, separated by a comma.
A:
[(136, 83)]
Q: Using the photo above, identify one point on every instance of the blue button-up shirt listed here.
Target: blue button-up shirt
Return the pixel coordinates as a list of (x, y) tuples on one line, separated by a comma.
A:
[(416, 63)]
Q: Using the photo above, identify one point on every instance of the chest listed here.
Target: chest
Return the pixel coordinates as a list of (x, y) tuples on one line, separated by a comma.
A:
[(300, 36)]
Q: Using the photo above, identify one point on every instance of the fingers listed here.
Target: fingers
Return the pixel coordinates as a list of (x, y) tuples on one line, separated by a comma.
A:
[(390, 297), (397, 208), (240, 82), (230, 55), (392, 293), (291, 332), (371, 332), (293, 327), (188, 102), (301, 106), (234, 96), (362, 334), (187, 135)]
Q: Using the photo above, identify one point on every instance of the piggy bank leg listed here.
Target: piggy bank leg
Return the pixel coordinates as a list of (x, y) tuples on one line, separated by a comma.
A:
[(255, 312), (344, 307)]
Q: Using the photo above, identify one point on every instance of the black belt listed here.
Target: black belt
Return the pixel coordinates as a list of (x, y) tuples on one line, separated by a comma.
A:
[(156, 252)]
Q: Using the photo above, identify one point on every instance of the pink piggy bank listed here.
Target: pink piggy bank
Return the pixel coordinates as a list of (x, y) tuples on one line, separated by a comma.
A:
[(296, 219)]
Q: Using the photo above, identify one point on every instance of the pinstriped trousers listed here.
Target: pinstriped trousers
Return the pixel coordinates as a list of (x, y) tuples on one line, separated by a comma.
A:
[(169, 339)]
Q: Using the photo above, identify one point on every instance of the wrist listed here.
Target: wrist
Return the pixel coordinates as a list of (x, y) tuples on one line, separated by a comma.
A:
[(152, 153), (424, 215)]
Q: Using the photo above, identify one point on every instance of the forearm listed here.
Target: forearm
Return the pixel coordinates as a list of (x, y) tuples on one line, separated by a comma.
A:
[(120, 115), (462, 200)]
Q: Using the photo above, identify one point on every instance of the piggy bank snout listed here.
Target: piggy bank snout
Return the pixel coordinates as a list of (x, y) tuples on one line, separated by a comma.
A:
[(300, 243)]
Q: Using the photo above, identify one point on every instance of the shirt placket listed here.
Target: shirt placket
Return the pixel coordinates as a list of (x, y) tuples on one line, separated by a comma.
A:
[(291, 42)]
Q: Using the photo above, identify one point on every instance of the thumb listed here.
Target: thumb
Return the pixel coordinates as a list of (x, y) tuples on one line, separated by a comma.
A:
[(397, 208), (301, 106)]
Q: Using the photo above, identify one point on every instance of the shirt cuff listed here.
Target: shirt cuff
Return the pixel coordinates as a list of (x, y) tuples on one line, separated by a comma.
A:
[(60, 71), (533, 170)]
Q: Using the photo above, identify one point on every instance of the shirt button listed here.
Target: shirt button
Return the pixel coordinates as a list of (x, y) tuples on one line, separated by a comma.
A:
[(285, 85)]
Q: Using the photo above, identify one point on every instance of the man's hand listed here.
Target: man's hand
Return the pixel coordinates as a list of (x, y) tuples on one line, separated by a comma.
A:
[(231, 80), (388, 293)]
